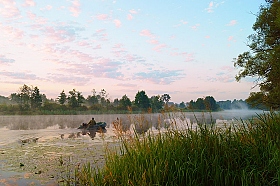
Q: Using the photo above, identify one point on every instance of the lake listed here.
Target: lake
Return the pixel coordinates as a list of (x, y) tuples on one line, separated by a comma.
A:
[(36, 149)]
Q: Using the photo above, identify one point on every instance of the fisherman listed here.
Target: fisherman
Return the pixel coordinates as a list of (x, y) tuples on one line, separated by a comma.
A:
[(92, 122)]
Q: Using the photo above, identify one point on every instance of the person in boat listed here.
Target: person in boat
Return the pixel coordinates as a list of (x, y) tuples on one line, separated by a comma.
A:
[(92, 122)]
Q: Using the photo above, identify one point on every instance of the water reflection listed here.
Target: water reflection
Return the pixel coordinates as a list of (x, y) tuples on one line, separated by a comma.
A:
[(92, 132)]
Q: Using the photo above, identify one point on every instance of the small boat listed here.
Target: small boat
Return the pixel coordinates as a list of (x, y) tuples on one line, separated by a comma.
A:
[(98, 125)]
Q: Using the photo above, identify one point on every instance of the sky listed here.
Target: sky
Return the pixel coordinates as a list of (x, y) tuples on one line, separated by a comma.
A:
[(184, 48)]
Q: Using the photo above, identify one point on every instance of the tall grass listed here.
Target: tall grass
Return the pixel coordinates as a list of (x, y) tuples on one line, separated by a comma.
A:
[(247, 154)]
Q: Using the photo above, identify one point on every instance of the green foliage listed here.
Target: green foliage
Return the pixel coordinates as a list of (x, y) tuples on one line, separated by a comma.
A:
[(25, 97), (156, 103), (247, 154), (92, 100), (207, 103), (142, 101), (75, 99), (182, 105), (262, 61), (235, 104), (124, 102), (36, 98), (62, 98), (256, 100), (165, 98), (210, 103)]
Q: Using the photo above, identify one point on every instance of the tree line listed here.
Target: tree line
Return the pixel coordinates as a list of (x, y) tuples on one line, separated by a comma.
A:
[(29, 100)]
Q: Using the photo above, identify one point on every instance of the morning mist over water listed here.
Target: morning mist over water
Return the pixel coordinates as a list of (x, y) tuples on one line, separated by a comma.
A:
[(15, 128)]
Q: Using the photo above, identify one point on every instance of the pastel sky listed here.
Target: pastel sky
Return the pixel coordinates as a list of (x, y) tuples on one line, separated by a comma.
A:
[(181, 47)]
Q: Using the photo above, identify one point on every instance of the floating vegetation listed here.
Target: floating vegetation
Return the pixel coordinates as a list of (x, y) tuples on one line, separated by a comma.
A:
[(47, 160)]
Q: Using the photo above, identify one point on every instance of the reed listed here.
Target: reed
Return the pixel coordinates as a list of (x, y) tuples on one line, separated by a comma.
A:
[(243, 154)]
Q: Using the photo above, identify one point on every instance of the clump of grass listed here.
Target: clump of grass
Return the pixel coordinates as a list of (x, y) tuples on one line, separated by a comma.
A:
[(247, 154)]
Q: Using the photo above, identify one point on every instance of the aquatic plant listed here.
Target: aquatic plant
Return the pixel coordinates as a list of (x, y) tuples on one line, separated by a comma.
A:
[(243, 154)]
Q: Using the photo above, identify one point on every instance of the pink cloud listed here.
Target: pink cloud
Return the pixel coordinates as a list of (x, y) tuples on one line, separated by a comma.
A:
[(14, 33), (101, 34), (83, 43), (232, 23), (75, 8), (207, 37), (184, 22), (210, 7), (130, 58), (29, 3), (159, 47), (31, 15), (59, 35), (97, 47), (133, 11), (129, 17), (100, 30), (177, 53), (189, 57), (9, 10), (118, 45), (102, 17), (231, 38), (39, 22), (154, 41), (82, 56), (146, 33), (48, 7), (118, 23), (195, 27), (118, 50)]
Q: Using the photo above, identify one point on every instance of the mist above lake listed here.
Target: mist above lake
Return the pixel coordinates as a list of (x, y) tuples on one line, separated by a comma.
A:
[(13, 128)]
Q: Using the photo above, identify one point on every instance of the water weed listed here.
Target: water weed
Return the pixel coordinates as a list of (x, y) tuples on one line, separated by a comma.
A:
[(243, 154)]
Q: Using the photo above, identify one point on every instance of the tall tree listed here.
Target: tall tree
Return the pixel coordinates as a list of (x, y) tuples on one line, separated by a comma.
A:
[(92, 99), (62, 98), (125, 102), (262, 60), (36, 98), (75, 99), (210, 103), (156, 103), (192, 105), (24, 95), (102, 97), (199, 104), (141, 100), (182, 105), (165, 98), (116, 102)]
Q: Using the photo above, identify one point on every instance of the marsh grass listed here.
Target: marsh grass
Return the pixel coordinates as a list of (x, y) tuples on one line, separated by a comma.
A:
[(243, 154)]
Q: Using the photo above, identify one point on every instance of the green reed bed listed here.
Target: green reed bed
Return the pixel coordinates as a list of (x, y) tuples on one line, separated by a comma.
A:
[(247, 154)]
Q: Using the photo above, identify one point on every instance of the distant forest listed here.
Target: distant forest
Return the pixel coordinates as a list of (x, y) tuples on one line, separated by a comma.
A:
[(29, 100)]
